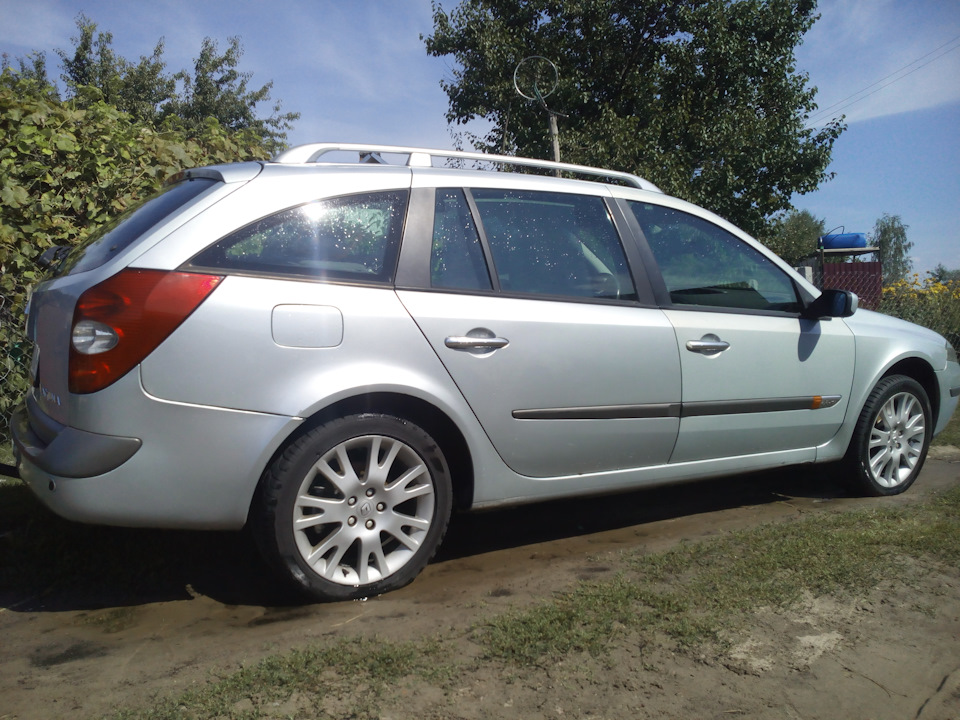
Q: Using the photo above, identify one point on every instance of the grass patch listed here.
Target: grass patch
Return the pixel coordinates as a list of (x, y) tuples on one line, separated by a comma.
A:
[(345, 679), (689, 596), (693, 592), (951, 433)]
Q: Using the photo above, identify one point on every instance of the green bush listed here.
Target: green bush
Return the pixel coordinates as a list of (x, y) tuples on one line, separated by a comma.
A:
[(66, 169), (928, 302)]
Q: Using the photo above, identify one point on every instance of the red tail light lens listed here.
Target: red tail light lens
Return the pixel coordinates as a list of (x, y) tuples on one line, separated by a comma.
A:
[(133, 312)]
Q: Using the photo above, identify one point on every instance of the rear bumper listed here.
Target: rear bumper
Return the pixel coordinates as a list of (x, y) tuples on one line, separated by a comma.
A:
[(64, 451), (179, 466)]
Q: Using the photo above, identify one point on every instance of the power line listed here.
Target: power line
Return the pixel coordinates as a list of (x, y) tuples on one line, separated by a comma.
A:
[(844, 104), (895, 72)]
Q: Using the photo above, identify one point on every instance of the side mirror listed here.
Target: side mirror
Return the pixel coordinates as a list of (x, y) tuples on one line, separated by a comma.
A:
[(832, 303)]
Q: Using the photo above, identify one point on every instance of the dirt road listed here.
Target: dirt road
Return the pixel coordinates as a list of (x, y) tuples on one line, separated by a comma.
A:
[(77, 654)]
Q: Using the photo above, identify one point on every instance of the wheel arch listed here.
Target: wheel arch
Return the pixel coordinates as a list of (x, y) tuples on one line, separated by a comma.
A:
[(921, 371), (428, 417)]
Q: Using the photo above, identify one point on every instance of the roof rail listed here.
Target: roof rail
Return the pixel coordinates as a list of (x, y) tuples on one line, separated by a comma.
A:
[(423, 157)]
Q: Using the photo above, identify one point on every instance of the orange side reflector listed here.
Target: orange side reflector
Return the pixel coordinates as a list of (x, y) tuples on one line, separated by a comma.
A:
[(817, 401)]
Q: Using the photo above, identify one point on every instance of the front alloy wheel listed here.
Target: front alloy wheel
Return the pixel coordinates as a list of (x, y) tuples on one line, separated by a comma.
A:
[(356, 507), (897, 440), (891, 438)]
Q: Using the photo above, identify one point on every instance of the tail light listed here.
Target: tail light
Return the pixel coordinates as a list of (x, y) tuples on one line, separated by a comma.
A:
[(117, 323)]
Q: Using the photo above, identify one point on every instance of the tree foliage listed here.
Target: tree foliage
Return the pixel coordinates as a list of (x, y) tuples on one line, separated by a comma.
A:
[(145, 89), (217, 89), (67, 168), (794, 236), (33, 70), (943, 275), (890, 235), (700, 96), (140, 89)]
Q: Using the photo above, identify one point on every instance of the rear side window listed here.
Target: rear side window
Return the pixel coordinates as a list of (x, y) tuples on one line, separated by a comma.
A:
[(348, 238), (547, 243), (703, 264), (456, 259), (110, 240)]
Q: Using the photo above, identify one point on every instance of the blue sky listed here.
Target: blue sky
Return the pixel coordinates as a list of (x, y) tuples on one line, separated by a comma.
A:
[(357, 71)]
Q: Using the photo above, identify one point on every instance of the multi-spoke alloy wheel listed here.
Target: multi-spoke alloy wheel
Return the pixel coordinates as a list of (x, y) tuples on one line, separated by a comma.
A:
[(891, 438), (363, 510), (356, 507), (897, 440)]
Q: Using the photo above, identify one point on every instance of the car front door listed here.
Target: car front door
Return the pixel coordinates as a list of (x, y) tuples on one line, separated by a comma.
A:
[(566, 370), (757, 378)]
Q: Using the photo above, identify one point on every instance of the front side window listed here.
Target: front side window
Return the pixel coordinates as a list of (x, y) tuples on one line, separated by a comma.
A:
[(349, 238), (548, 243), (703, 264)]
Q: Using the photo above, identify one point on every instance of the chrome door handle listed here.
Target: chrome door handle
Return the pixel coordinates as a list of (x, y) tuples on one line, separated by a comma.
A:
[(465, 342), (707, 345)]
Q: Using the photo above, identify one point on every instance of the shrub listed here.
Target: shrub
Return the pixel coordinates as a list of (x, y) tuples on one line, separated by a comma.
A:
[(928, 302), (66, 169)]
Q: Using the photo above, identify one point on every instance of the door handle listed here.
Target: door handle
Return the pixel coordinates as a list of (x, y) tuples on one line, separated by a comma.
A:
[(465, 342), (708, 345)]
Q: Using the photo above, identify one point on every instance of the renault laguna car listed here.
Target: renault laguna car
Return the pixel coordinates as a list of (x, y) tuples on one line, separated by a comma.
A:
[(339, 354)]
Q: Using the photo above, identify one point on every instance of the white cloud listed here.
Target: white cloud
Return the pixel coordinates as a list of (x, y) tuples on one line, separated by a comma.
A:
[(871, 59)]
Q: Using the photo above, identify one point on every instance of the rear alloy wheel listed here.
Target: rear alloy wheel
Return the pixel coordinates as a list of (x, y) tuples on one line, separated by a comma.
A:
[(355, 507), (891, 438)]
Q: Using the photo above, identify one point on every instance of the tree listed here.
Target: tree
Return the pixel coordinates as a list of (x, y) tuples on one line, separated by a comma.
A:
[(794, 237), (152, 95), (890, 235), (216, 89), (31, 74), (700, 96), (942, 274), (141, 89), (92, 62)]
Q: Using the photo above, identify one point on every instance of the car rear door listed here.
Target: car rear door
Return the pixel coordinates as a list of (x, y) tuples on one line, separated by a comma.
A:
[(528, 299)]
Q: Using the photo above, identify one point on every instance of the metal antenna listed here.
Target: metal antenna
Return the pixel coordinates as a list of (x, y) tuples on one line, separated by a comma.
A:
[(538, 78)]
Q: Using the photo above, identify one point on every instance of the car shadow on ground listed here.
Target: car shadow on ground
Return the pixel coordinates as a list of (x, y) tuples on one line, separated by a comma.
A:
[(48, 564)]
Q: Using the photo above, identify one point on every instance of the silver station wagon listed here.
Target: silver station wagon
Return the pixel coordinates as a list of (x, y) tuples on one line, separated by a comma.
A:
[(339, 354)]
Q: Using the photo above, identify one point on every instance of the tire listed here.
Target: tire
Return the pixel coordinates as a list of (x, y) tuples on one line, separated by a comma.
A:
[(355, 507), (891, 438)]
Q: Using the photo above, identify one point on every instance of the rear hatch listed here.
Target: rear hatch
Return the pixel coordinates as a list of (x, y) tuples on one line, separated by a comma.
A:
[(50, 312)]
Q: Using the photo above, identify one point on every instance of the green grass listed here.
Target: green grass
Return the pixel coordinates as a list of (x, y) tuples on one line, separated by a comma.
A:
[(951, 433), (689, 597), (351, 671), (686, 596), (693, 592)]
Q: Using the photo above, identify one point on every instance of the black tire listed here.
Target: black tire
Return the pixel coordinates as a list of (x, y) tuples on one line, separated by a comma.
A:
[(355, 507), (891, 438)]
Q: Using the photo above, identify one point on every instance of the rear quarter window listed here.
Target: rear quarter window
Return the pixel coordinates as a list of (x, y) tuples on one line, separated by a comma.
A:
[(352, 238)]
